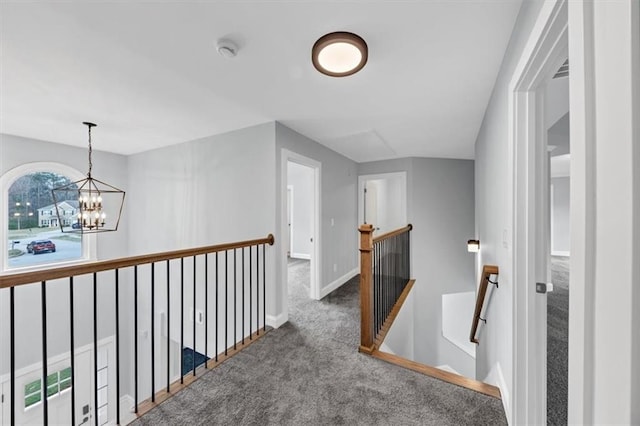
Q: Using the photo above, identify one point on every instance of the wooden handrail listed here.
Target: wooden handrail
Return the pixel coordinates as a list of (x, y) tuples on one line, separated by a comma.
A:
[(13, 280), (369, 330), (390, 234), (487, 271)]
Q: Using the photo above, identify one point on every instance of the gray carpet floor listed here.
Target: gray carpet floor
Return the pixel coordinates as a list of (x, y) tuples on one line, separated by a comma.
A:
[(309, 372), (557, 342)]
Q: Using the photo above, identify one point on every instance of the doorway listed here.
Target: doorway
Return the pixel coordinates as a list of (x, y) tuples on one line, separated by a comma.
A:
[(559, 147), (300, 227), (300, 216), (382, 201), (544, 55)]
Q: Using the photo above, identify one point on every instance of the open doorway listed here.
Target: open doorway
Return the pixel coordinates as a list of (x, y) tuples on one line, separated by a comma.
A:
[(300, 218), (544, 56), (382, 201), (559, 147), (300, 188)]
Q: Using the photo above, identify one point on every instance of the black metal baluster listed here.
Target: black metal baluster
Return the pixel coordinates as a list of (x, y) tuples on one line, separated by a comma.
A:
[(264, 288), (216, 310), (193, 361), (250, 295), (168, 330), (72, 353), (235, 302), (206, 309), (95, 347), (45, 399), (243, 332), (117, 300), (181, 318), (135, 334), (12, 356), (153, 332), (226, 291)]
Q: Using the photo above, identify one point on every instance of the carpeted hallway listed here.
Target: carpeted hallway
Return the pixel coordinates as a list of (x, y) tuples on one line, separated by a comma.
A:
[(558, 342), (309, 372)]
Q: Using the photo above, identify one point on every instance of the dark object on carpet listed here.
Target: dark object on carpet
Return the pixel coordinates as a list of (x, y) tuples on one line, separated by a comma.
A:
[(309, 372), (187, 360), (558, 342)]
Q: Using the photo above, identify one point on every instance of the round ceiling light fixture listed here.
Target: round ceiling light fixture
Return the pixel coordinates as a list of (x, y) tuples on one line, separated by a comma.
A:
[(339, 54)]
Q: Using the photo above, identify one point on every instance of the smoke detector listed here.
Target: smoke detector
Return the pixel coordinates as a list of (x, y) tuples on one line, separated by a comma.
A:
[(227, 48)]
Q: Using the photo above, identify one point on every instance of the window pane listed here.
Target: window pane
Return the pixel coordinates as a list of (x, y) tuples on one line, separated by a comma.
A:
[(32, 387), (65, 384), (52, 390), (65, 374), (34, 227), (32, 399), (52, 379)]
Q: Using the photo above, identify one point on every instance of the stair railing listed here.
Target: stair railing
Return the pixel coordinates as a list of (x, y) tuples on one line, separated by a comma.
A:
[(385, 271), (226, 286), (485, 280)]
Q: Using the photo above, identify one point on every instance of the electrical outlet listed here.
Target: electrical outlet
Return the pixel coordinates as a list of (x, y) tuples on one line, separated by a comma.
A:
[(332, 222), (335, 267)]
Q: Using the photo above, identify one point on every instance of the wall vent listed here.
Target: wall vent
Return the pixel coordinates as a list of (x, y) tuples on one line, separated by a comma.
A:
[(563, 71)]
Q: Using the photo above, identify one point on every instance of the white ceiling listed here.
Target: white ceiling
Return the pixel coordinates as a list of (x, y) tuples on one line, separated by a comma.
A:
[(148, 73)]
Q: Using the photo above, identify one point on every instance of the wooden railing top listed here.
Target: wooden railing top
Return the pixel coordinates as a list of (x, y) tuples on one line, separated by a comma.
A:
[(487, 271), (13, 280), (393, 233)]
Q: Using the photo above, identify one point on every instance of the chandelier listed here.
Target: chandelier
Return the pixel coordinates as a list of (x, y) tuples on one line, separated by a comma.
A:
[(88, 205)]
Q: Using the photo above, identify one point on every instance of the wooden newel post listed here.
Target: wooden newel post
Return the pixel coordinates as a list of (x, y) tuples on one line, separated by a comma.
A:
[(366, 289)]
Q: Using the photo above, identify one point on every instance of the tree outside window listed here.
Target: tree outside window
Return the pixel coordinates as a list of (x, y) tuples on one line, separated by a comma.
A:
[(33, 226)]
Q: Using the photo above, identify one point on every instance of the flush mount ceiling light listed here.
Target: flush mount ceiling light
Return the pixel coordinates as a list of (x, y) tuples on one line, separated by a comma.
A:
[(99, 205), (339, 54)]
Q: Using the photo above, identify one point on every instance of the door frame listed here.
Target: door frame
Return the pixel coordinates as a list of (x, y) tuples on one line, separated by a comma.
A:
[(316, 255), (545, 51)]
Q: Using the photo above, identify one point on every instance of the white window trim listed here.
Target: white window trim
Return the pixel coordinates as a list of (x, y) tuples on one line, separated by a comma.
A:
[(6, 180)]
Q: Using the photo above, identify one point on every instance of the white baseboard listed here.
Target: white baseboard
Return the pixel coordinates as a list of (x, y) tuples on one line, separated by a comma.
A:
[(496, 378), (277, 321), (300, 256), (339, 282), (560, 253), (127, 414)]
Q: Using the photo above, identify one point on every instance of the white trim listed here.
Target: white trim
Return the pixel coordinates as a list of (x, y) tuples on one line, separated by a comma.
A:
[(6, 180), (561, 253), (338, 282), (300, 256), (496, 378), (545, 50), (277, 321)]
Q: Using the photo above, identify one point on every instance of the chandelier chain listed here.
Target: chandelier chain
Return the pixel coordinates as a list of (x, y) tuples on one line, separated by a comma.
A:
[(90, 150)]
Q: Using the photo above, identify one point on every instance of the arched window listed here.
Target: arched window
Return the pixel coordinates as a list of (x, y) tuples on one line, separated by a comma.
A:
[(33, 235)]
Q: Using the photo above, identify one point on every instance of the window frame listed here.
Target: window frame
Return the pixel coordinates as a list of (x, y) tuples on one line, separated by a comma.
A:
[(6, 180)]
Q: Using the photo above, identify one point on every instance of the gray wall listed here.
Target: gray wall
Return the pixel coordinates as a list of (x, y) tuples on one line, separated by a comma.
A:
[(338, 202), (560, 228), (111, 168), (441, 208)]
